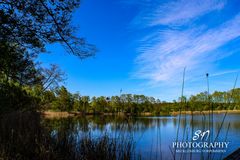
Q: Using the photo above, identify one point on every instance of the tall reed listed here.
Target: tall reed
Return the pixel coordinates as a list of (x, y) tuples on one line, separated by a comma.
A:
[(24, 136)]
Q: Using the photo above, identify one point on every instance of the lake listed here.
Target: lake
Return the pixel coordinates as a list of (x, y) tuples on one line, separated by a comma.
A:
[(154, 137)]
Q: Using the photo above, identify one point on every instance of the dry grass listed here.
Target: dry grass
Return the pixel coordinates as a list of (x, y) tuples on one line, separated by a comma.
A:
[(58, 114), (205, 112), (55, 114)]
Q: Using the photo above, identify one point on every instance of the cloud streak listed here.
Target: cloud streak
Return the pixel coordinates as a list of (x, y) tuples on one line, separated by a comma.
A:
[(174, 12), (167, 50)]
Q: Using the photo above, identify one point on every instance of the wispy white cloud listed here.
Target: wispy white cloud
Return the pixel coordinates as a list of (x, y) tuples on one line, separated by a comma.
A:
[(165, 53), (157, 12), (217, 74), (214, 74)]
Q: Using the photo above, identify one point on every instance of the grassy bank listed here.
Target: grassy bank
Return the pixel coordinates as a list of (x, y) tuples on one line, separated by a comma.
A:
[(205, 112), (58, 114)]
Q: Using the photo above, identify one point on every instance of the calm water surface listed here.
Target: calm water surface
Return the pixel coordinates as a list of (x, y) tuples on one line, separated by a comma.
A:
[(154, 136)]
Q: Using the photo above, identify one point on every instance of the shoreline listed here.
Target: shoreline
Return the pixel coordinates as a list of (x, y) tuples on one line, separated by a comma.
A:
[(64, 114), (205, 112)]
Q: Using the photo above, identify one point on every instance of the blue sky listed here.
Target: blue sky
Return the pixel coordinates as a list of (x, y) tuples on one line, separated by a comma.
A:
[(144, 46)]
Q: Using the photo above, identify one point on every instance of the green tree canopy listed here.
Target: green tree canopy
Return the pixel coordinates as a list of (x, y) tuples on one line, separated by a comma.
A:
[(17, 65), (32, 24)]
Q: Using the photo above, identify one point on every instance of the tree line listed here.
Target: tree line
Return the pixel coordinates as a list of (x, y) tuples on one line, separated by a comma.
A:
[(62, 100)]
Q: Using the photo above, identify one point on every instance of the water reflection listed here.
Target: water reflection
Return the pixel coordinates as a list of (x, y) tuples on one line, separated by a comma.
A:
[(132, 124), (27, 136), (154, 135)]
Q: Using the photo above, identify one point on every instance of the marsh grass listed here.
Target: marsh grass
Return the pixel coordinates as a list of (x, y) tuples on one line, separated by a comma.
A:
[(209, 121), (23, 136)]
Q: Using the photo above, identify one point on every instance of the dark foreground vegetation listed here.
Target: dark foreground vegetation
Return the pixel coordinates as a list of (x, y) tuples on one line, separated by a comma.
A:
[(27, 136)]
